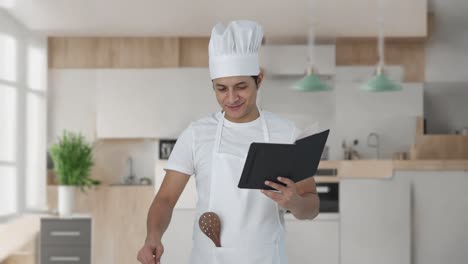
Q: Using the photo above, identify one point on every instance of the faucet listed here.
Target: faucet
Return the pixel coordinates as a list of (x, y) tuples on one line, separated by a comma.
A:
[(374, 137), (130, 179)]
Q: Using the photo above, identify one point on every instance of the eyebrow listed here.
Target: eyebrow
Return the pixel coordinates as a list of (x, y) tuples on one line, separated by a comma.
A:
[(224, 86)]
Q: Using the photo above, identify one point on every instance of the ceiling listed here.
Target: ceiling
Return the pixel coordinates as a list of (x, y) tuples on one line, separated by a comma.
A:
[(352, 18)]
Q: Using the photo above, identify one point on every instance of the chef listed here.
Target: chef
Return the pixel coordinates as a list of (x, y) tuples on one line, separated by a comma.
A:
[(214, 149)]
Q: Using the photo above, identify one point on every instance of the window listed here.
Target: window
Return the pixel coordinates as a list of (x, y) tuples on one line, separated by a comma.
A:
[(8, 126), (23, 93)]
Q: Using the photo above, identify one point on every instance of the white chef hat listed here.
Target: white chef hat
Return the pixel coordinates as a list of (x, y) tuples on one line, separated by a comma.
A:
[(233, 50)]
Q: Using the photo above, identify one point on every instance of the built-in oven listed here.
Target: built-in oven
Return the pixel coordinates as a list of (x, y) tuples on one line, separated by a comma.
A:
[(328, 193)]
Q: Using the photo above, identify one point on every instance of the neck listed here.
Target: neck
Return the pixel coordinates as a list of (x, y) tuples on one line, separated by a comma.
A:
[(251, 116)]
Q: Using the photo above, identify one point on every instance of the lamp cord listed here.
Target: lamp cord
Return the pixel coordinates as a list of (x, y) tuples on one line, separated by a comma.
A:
[(381, 38)]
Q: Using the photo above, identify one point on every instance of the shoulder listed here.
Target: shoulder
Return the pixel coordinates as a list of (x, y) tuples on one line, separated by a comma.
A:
[(205, 126), (207, 121)]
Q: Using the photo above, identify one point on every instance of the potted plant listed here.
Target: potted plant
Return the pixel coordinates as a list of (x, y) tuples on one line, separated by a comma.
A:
[(73, 159)]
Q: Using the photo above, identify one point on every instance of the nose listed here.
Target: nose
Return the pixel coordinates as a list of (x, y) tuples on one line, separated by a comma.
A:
[(232, 96)]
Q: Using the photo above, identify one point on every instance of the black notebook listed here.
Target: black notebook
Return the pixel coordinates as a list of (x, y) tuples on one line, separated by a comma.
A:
[(267, 161)]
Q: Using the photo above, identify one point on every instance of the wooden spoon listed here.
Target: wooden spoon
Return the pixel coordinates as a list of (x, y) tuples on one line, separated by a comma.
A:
[(210, 225)]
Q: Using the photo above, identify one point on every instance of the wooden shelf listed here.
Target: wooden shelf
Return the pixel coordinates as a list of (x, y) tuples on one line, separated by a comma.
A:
[(438, 147)]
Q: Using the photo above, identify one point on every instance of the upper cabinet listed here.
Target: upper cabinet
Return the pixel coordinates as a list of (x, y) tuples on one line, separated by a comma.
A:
[(151, 103)]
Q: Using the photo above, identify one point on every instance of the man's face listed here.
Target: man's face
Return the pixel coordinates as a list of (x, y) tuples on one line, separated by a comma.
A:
[(237, 96)]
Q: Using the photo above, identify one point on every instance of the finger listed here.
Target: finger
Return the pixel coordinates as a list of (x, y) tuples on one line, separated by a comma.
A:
[(148, 258), (142, 256), (275, 185), (273, 195), (159, 252), (286, 181)]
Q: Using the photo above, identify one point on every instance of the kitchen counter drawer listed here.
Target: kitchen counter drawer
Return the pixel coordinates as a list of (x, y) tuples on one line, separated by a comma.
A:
[(65, 255), (65, 232)]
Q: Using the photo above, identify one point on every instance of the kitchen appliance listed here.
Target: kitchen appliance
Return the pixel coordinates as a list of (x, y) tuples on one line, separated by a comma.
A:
[(349, 152), (329, 198), (400, 156), (328, 193)]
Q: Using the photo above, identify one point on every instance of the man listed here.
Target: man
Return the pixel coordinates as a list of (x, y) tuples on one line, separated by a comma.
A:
[(214, 149)]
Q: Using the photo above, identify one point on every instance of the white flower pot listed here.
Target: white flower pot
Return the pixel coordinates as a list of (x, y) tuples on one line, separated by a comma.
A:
[(66, 200)]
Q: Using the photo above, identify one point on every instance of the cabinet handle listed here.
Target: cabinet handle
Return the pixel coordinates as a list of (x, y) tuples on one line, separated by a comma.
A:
[(65, 233), (64, 258), (323, 189)]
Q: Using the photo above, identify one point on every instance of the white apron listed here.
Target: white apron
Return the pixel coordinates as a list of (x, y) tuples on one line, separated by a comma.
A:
[(251, 230)]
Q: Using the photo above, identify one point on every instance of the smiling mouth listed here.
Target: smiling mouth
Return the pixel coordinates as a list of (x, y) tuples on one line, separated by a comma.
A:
[(235, 107)]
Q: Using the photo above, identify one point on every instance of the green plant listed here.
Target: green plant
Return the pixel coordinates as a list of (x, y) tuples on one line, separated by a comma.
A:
[(73, 160)]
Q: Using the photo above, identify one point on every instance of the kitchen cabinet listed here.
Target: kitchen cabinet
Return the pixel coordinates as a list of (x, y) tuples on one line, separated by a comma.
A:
[(375, 221), (118, 224), (151, 103), (72, 103), (439, 215), (315, 242), (65, 240)]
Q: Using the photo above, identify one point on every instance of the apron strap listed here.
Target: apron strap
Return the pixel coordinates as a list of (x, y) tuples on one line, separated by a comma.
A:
[(220, 126)]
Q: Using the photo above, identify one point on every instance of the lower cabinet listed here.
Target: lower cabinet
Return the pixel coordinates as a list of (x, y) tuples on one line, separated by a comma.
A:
[(375, 223), (313, 241), (65, 241)]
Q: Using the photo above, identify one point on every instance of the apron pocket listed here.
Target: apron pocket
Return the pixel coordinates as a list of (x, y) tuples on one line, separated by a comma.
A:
[(265, 254)]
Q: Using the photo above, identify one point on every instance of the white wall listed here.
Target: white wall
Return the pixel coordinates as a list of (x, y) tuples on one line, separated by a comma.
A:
[(349, 112), (446, 68), (446, 52), (445, 107)]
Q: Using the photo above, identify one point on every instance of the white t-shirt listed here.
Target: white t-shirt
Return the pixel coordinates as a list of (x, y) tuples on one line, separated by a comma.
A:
[(192, 154)]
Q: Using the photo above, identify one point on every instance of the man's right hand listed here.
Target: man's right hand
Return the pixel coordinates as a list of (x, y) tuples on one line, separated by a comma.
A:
[(151, 252)]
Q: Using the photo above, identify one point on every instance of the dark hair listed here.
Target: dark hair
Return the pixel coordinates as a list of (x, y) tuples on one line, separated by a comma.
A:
[(255, 77)]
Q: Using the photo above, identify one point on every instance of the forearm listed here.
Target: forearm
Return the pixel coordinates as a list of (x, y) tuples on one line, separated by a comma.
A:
[(159, 217), (307, 207)]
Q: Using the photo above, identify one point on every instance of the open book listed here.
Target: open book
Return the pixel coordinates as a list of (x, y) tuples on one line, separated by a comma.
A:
[(267, 161)]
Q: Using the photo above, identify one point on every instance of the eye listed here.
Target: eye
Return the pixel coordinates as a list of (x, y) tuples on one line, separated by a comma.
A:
[(241, 87), (222, 89)]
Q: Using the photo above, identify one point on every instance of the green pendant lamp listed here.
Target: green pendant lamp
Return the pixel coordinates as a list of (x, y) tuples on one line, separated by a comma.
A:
[(380, 82), (311, 83)]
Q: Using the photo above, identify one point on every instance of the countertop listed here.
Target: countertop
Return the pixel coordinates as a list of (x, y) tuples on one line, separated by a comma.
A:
[(385, 168)]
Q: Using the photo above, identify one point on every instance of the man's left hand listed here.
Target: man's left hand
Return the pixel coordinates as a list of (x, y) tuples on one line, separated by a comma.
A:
[(287, 197)]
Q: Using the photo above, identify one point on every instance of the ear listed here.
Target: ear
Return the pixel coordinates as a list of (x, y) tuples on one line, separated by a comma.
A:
[(260, 77)]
